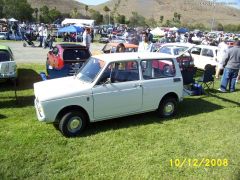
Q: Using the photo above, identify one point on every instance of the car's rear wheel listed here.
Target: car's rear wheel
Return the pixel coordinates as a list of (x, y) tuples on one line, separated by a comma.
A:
[(72, 123), (167, 107)]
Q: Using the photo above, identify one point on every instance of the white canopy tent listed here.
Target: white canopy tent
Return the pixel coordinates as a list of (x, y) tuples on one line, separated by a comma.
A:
[(157, 32), (12, 20), (173, 29), (84, 22)]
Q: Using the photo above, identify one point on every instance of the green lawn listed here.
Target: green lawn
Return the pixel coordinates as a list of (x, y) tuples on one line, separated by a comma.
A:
[(135, 147)]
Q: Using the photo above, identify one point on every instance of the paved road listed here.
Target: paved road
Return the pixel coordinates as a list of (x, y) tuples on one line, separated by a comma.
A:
[(35, 54)]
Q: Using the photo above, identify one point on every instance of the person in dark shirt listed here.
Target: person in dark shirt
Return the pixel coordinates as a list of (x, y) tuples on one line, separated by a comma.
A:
[(231, 64)]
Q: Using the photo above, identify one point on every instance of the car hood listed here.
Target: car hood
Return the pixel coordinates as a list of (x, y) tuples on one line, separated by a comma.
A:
[(60, 88)]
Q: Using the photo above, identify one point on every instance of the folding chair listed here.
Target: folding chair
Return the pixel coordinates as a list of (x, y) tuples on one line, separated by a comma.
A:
[(207, 79), (188, 80)]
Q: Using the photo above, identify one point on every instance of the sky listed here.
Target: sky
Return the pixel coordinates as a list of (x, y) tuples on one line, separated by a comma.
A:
[(234, 3)]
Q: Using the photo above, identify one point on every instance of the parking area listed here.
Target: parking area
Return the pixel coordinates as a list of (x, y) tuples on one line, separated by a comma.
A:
[(35, 54)]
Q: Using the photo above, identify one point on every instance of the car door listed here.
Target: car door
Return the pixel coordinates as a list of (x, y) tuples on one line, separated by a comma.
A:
[(121, 95), (207, 57)]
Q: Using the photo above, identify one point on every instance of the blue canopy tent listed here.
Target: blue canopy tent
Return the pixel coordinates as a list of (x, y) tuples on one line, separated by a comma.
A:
[(71, 29), (183, 30)]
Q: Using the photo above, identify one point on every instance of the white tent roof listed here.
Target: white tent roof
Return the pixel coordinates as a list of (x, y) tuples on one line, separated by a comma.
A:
[(157, 32), (87, 22), (12, 20), (173, 29)]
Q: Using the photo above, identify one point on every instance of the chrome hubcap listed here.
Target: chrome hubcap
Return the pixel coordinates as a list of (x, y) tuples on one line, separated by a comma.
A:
[(74, 124), (169, 108)]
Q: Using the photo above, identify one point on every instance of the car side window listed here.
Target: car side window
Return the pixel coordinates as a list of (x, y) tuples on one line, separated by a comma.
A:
[(159, 68), (166, 50), (120, 72), (207, 52), (4, 56), (55, 50), (196, 51)]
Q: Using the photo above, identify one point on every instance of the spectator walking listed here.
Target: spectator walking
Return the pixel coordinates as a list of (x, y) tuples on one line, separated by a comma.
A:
[(231, 64), (87, 37), (45, 35), (222, 50), (40, 32), (145, 45)]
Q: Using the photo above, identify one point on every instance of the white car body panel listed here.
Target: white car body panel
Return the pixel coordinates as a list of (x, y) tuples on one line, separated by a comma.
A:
[(201, 60), (111, 100)]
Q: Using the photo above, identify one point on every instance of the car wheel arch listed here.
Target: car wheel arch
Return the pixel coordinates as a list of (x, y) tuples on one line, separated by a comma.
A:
[(67, 109)]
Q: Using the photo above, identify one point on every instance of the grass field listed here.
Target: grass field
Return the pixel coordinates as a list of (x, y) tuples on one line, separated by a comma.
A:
[(136, 147)]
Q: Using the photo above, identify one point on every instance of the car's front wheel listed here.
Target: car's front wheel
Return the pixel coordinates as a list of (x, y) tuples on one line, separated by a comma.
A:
[(167, 107), (72, 123)]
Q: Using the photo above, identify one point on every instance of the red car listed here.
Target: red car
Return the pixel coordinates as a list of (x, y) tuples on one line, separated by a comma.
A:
[(66, 59)]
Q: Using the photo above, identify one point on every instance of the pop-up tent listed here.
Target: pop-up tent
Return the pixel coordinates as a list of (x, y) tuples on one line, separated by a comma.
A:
[(71, 29), (182, 30), (157, 32), (12, 20)]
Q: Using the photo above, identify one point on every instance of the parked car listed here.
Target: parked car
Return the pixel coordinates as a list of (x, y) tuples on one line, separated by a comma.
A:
[(181, 50), (112, 47), (3, 35), (203, 55), (8, 67), (110, 86), (66, 59)]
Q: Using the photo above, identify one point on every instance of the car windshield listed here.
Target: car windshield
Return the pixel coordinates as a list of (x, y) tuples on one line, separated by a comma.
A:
[(4, 56), (91, 69)]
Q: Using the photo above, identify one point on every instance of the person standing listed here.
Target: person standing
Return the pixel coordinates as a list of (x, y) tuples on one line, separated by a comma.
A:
[(231, 64), (222, 50), (45, 35), (145, 45), (87, 37), (40, 32)]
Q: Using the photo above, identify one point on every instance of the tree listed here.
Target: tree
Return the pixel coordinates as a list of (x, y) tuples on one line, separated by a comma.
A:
[(36, 13), (20, 10), (220, 27), (137, 20), (106, 9), (96, 16), (86, 10), (75, 14), (161, 19), (121, 19)]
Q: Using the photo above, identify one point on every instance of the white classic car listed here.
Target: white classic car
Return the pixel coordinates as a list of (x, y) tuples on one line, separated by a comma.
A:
[(110, 86), (203, 55), (8, 67)]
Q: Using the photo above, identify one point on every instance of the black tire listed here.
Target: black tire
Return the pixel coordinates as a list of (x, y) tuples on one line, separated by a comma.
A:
[(72, 123), (56, 126), (167, 107), (166, 70), (24, 45)]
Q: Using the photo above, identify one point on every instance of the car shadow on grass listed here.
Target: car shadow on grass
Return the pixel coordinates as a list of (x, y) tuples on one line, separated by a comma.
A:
[(25, 81), (189, 107), (19, 102), (2, 117)]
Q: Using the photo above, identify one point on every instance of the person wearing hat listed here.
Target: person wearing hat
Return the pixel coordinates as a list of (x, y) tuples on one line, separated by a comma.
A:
[(231, 64)]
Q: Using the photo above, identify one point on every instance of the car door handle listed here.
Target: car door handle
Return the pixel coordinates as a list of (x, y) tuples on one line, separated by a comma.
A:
[(137, 85)]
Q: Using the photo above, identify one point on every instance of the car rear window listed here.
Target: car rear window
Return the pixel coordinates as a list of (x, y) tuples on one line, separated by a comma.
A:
[(4, 56), (75, 54)]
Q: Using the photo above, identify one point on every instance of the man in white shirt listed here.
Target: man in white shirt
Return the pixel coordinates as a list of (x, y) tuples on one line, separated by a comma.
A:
[(222, 50), (145, 45), (87, 37), (40, 32)]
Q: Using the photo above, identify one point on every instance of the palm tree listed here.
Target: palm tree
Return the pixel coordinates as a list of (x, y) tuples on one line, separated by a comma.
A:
[(36, 13), (86, 9)]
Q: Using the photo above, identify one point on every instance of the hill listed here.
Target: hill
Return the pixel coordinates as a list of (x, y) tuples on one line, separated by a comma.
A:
[(192, 11), (64, 6)]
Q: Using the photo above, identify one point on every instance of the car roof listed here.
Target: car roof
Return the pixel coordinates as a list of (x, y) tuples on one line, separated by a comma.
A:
[(69, 45), (207, 46), (189, 45), (3, 47), (126, 56), (127, 45)]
